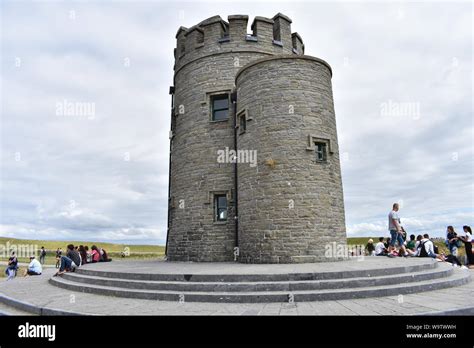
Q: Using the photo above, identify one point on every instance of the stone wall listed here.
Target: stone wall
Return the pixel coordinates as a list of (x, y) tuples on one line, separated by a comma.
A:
[(208, 58), (290, 205)]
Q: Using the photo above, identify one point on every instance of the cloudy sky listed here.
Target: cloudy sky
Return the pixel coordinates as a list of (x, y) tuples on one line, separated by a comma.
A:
[(402, 79)]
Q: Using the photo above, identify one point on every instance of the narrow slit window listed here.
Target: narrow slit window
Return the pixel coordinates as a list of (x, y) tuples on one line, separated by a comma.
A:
[(220, 107), (242, 123), (220, 207), (321, 152)]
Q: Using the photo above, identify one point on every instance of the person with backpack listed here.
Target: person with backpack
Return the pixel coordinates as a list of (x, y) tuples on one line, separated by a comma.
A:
[(428, 249), (42, 255)]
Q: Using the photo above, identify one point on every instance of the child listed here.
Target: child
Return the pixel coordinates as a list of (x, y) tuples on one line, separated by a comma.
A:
[(369, 248)]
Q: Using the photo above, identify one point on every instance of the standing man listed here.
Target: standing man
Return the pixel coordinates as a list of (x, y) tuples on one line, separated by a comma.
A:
[(58, 257), (396, 232), (42, 255)]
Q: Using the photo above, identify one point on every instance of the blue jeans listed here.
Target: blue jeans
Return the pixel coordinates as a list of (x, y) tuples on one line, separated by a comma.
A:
[(66, 264), (394, 237), (453, 249)]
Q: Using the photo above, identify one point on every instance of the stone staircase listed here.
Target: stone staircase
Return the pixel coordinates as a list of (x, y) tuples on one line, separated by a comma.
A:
[(266, 287)]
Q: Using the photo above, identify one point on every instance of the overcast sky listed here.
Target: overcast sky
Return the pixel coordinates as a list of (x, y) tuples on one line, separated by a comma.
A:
[(402, 80)]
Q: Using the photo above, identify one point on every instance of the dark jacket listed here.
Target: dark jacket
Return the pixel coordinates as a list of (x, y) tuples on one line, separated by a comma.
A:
[(74, 256)]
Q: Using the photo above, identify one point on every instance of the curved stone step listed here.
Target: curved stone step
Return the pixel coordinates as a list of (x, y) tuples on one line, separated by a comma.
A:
[(259, 277), (458, 277), (184, 286), (6, 310), (14, 306)]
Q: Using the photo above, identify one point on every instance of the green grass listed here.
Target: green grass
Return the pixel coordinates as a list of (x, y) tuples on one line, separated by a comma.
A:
[(110, 247), (113, 250)]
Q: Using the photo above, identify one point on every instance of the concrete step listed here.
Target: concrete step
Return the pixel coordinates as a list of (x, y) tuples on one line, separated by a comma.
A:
[(258, 277), (183, 286), (6, 310), (456, 278), (13, 306)]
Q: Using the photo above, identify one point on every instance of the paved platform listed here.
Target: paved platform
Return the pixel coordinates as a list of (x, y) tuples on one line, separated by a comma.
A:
[(35, 295), (219, 268)]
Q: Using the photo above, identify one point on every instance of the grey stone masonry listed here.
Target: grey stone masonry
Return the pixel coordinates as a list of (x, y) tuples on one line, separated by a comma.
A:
[(290, 205)]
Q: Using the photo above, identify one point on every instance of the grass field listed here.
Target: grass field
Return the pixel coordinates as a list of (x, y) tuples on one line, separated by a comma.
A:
[(114, 250)]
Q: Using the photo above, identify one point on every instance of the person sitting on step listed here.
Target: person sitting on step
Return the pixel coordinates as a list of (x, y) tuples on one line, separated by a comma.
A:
[(70, 262), (428, 249)]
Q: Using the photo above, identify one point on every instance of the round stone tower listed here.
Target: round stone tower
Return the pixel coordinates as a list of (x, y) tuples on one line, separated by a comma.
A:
[(254, 165)]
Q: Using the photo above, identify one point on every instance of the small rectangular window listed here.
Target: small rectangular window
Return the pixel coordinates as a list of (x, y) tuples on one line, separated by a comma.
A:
[(220, 107), (321, 152), (220, 207), (242, 123)]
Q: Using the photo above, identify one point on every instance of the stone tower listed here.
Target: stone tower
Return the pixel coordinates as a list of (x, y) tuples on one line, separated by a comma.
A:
[(254, 162)]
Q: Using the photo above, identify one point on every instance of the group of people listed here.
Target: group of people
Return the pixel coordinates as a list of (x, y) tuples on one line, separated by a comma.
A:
[(95, 254), (34, 267), (421, 246), (75, 257)]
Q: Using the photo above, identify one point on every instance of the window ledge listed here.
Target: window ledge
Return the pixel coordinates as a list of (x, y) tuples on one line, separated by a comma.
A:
[(278, 43), (220, 222), (224, 39), (217, 121)]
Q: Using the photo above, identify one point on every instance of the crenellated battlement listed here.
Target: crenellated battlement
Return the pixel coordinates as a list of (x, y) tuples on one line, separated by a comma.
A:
[(246, 85), (270, 35)]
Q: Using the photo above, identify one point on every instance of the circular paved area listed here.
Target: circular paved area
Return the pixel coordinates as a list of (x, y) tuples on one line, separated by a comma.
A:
[(48, 299)]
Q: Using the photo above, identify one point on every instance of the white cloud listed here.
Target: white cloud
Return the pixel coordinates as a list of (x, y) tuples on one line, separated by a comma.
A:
[(410, 52)]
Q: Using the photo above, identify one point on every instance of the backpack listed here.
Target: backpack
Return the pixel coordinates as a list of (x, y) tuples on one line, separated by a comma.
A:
[(423, 252)]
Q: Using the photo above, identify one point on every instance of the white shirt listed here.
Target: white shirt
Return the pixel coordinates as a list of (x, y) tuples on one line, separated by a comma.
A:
[(429, 247), (35, 266), (417, 251), (468, 237), (379, 248)]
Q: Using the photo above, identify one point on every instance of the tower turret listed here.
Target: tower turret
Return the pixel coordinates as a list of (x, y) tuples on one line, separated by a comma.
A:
[(226, 80)]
